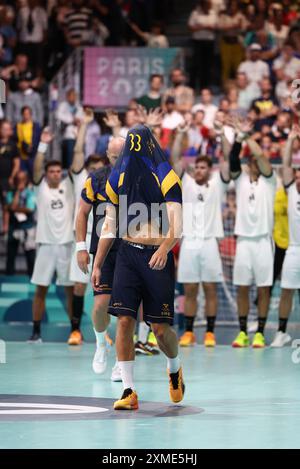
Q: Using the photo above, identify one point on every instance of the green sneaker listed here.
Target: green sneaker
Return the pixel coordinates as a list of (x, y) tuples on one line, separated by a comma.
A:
[(258, 340), (242, 340), (152, 339)]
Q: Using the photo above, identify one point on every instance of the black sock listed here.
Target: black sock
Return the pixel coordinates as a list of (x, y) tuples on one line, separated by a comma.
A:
[(210, 326), (282, 324), (77, 312), (243, 323), (189, 323), (36, 327), (261, 325)]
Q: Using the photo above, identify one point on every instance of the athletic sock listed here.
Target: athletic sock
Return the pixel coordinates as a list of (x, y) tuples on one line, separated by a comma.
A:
[(210, 326), (261, 325), (243, 323), (282, 324), (143, 332), (36, 327), (100, 338), (77, 312), (126, 369), (189, 323), (173, 364)]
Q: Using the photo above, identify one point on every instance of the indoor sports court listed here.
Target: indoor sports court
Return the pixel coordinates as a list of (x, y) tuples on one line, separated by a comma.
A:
[(149, 230)]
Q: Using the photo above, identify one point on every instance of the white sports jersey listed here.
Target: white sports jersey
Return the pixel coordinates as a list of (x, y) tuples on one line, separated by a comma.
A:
[(79, 180), (202, 216), (255, 202), (55, 209), (294, 215)]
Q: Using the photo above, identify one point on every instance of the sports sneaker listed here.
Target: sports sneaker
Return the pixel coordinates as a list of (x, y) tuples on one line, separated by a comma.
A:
[(209, 339), (188, 339), (100, 359), (176, 386), (109, 341), (128, 401), (116, 374), (35, 339), (152, 339), (75, 338), (281, 339), (258, 340), (241, 340), (145, 349)]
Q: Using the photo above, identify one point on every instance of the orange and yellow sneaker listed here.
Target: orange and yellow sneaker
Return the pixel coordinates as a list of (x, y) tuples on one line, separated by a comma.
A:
[(187, 339), (209, 339), (176, 386), (128, 401), (75, 338), (108, 340)]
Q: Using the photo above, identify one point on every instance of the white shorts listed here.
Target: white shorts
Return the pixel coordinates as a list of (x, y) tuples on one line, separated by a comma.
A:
[(254, 261), (51, 259), (199, 261), (76, 275), (290, 277)]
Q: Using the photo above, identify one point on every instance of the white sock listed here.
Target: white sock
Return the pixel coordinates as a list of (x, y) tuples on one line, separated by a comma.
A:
[(100, 338), (173, 364), (143, 332), (126, 369)]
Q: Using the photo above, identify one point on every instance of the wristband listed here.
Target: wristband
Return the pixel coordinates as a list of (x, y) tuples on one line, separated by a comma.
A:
[(42, 148), (81, 246)]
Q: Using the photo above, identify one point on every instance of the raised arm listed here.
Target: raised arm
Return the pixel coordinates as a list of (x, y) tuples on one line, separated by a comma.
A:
[(38, 166), (242, 129), (226, 147), (112, 120), (177, 149), (78, 155), (288, 173), (262, 161)]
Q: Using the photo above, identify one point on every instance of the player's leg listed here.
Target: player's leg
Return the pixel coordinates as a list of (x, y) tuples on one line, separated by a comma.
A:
[(242, 277), (290, 281), (44, 269), (77, 312), (142, 345), (263, 267), (211, 306), (189, 266), (101, 320)]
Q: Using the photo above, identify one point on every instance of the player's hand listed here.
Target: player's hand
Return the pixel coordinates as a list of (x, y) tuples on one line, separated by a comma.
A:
[(83, 260), (95, 279), (111, 119), (46, 136), (88, 116), (159, 259)]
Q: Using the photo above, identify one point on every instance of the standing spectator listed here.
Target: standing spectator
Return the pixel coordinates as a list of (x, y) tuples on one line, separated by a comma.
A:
[(8, 36), (267, 103), (152, 99), (21, 205), (28, 135), (206, 105), (18, 71), (154, 38), (32, 24), (9, 166), (275, 25), (184, 95), (247, 91), (171, 120), (287, 66), (68, 114), (78, 24), (254, 68), (232, 23), (26, 96), (202, 23)]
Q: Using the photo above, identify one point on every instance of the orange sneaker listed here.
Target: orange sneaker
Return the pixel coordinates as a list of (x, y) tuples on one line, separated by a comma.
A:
[(128, 401), (209, 339), (75, 338), (187, 339), (109, 340), (176, 386)]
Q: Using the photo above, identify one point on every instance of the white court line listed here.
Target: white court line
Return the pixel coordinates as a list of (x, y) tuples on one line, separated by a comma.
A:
[(39, 409)]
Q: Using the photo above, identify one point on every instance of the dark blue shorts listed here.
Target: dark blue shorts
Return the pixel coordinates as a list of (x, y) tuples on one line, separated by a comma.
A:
[(107, 274), (135, 283)]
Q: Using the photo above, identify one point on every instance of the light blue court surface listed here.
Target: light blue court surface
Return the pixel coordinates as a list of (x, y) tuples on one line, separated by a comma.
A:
[(234, 399)]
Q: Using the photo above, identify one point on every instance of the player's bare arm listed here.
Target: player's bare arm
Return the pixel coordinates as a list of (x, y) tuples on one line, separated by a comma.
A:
[(83, 258), (177, 148), (78, 156), (262, 161), (288, 173), (159, 258), (112, 121)]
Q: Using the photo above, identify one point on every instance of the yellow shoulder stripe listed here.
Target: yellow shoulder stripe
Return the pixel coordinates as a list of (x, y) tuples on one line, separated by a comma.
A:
[(114, 198), (169, 181), (157, 180), (100, 197), (89, 190), (121, 179)]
